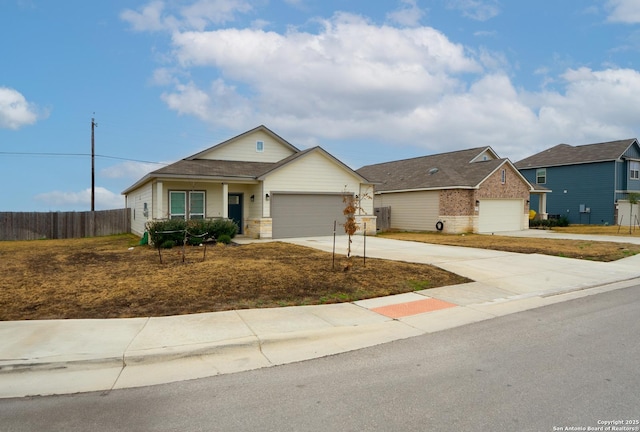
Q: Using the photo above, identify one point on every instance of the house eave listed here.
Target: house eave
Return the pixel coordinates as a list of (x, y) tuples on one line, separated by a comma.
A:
[(569, 164), (427, 189), (187, 177)]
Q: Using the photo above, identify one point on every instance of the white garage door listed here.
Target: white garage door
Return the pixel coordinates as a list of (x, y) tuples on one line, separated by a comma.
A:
[(304, 215), (500, 215)]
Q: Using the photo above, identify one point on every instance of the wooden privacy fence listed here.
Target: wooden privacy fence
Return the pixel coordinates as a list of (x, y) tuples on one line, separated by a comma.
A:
[(62, 225)]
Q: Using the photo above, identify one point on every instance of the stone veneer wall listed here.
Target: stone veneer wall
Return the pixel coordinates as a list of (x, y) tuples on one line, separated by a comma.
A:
[(458, 210), (458, 224), (259, 228)]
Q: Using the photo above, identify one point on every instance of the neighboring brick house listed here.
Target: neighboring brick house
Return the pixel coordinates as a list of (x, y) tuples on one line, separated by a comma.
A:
[(267, 186), (462, 191), (591, 183)]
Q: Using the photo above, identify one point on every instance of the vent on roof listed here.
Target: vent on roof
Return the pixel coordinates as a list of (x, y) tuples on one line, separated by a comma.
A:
[(433, 171)]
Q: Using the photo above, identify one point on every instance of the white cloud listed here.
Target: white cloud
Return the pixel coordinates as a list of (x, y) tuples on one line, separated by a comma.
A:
[(598, 104), (204, 12), (148, 18), (163, 77), (158, 15), (350, 69), (624, 11), (398, 86), (130, 170), (479, 10), (409, 14), (104, 199), (410, 86), (221, 104), (15, 111)]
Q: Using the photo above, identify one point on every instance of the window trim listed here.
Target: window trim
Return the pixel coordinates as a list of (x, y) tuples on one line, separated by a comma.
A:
[(260, 146), (634, 174), (541, 173), (187, 197), (204, 205), (177, 215), (503, 176)]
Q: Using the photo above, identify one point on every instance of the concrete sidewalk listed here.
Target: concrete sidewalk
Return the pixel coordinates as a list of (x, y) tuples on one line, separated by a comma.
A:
[(69, 356)]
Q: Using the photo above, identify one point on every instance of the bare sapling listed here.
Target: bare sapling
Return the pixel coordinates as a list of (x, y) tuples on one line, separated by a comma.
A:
[(352, 205)]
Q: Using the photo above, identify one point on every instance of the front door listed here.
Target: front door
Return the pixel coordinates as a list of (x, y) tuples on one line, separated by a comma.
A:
[(235, 209)]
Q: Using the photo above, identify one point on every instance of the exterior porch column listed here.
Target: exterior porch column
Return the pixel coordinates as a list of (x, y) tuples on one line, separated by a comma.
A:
[(157, 211), (542, 205), (225, 201)]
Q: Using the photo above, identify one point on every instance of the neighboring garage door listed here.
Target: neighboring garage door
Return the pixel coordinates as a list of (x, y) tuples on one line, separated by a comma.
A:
[(304, 215), (500, 215)]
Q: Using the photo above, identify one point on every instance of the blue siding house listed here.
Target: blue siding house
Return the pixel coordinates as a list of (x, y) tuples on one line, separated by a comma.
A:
[(590, 184)]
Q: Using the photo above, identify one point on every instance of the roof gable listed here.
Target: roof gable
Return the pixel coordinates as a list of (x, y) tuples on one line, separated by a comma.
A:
[(243, 147), (459, 169), (305, 153), (565, 154), (487, 154)]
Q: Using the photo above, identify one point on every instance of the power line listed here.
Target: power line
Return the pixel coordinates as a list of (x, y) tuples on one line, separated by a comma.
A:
[(77, 154)]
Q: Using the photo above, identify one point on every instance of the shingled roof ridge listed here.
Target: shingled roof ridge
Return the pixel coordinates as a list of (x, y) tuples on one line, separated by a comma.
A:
[(428, 156)]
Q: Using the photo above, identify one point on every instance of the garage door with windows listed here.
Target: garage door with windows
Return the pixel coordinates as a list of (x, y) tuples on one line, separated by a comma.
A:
[(304, 215), (500, 215)]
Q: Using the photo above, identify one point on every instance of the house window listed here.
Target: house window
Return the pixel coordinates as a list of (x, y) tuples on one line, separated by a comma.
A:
[(177, 205), (634, 170), (259, 146), (196, 205), (541, 176), (504, 176), (181, 201)]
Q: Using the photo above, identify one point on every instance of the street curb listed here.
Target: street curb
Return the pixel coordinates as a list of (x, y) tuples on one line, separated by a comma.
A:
[(278, 348)]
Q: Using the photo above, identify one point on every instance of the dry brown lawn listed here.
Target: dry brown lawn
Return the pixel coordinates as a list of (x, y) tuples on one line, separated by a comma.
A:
[(588, 250), (113, 277)]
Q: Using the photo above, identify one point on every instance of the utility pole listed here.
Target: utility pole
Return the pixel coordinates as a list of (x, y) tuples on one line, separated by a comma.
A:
[(93, 165)]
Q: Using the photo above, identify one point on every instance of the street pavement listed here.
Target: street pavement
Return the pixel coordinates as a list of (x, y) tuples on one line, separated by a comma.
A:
[(70, 356)]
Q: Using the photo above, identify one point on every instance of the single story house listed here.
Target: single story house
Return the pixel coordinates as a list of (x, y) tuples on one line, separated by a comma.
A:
[(462, 191), (270, 188), (591, 183)]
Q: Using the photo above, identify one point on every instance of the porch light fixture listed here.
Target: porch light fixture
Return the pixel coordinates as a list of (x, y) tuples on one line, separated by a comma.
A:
[(253, 198), (267, 197), (477, 202)]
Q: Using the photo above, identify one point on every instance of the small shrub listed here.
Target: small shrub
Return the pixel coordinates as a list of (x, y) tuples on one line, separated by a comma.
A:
[(167, 244), (194, 241), (224, 239), (174, 230), (157, 229), (221, 227), (562, 221)]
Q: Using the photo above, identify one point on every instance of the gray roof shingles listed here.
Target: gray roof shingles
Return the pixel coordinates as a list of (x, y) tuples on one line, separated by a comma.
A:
[(214, 168), (565, 154), (441, 171)]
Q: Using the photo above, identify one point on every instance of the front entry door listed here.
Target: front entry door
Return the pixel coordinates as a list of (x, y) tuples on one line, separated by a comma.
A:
[(235, 209)]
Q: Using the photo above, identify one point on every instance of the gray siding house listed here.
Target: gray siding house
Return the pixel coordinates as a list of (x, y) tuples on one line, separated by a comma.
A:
[(590, 183)]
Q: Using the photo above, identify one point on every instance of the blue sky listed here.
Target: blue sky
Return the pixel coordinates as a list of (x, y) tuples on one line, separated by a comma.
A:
[(368, 81)]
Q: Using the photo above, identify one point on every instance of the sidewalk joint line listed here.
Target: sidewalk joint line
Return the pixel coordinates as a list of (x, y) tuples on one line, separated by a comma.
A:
[(256, 336)]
